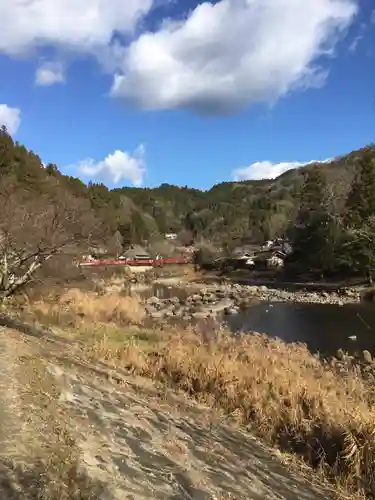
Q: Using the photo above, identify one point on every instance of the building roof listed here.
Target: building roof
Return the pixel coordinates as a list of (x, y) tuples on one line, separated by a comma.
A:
[(136, 251)]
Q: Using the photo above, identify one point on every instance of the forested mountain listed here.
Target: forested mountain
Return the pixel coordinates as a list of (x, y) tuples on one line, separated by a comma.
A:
[(242, 211), (228, 213)]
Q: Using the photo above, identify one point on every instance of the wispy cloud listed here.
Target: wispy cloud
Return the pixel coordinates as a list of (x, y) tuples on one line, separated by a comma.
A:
[(50, 73), (268, 170)]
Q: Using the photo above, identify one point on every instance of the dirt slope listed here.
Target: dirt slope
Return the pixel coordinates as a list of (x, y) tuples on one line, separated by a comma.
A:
[(69, 431)]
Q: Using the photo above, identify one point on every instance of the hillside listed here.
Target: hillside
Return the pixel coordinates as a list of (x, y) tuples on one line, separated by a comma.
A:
[(230, 211), (254, 210)]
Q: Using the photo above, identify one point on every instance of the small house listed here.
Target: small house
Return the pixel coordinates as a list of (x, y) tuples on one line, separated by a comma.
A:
[(136, 252), (269, 259), (171, 236)]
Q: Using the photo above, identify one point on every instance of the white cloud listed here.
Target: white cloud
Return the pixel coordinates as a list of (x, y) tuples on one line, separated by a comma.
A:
[(223, 56), (79, 25), (231, 53), (50, 73), (116, 167), (10, 117), (268, 170), (354, 44)]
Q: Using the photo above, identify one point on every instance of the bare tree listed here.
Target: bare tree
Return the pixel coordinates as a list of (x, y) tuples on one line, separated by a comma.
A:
[(276, 225), (161, 247), (114, 245), (186, 237), (33, 230)]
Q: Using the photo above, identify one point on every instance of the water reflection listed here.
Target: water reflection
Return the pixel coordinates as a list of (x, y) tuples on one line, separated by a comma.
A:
[(323, 327)]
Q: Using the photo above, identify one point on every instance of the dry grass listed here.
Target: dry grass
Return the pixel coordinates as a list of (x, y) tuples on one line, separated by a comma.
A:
[(74, 308), (114, 284), (281, 391)]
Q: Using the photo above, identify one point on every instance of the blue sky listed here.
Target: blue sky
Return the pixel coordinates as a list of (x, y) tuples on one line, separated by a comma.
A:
[(140, 92)]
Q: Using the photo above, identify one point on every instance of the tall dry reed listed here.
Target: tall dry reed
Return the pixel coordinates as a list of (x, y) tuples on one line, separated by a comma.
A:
[(74, 307)]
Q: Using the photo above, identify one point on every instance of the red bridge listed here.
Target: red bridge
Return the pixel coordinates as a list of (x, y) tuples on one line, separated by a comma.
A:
[(136, 262)]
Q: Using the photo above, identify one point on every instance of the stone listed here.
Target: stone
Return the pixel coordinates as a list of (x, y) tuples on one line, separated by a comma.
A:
[(243, 304), (174, 300), (157, 315), (340, 355), (169, 314), (210, 298), (201, 315), (367, 356), (149, 309), (230, 311), (153, 301), (196, 298)]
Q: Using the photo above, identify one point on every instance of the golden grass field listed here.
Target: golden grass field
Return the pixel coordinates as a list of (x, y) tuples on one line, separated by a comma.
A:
[(281, 392)]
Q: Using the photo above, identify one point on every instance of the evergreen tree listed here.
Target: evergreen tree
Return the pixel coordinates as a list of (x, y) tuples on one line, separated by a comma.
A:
[(360, 204), (360, 217), (6, 151), (312, 248)]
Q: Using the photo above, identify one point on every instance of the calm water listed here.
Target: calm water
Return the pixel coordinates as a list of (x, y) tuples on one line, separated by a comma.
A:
[(323, 327)]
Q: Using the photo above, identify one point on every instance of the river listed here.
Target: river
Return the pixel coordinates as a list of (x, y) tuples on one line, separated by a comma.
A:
[(323, 327)]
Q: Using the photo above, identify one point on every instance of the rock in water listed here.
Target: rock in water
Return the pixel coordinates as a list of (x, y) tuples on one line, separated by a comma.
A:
[(367, 357)]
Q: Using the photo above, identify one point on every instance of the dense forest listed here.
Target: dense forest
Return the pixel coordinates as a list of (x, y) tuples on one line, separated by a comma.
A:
[(327, 210)]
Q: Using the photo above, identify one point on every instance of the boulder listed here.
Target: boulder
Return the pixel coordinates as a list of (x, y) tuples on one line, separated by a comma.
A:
[(340, 355), (229, 311), (367, 356), (174, 300), (157, 314), (153, 300), (196, 298), (201, 315)]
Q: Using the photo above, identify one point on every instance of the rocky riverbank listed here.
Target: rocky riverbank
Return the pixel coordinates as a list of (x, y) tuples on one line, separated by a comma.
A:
[(229, 299), (361, 365)]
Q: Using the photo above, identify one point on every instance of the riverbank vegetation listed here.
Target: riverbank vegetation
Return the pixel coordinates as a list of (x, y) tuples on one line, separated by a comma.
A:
[(335, 232), (326, 210), (280, 391)]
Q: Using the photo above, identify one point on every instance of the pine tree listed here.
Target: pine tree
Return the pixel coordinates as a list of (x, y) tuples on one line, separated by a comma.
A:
[(311, 246), (6, 151), (360, 205), (360, 217)]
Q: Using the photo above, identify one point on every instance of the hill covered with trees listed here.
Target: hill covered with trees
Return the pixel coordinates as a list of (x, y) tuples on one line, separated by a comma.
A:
[(326, 202)]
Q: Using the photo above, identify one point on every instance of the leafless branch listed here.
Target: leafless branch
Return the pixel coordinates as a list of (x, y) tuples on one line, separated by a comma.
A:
[(35, 229)]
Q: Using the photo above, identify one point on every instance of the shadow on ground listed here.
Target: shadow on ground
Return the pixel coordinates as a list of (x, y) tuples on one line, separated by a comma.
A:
[(136, 440), (161, 445)]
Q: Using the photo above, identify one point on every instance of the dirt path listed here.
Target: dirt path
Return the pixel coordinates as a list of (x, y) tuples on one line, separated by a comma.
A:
[(134, 438)]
